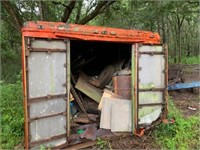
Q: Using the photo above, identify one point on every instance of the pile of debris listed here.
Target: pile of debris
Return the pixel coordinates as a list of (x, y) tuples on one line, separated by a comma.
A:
[(96, 101), (184, 77)]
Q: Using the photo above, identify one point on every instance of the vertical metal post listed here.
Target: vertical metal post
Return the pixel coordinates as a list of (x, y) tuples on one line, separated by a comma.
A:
[(134, 86), (68, 86), (165, 49), (25, 99)]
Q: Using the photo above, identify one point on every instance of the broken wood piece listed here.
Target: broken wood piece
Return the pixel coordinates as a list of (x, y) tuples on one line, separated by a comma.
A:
[(107, 93), (81, 146), (82, 118), (91, 116), (88, 89), (104, 78), (71, 97), (78, 100)]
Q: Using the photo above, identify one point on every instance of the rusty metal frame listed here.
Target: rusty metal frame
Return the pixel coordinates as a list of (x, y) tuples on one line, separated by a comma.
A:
[(26, 49), (47, 139), (152, 89), (152, 53), (25, 94), (44, 98), (47, 116), (46, 50), (151, 104)]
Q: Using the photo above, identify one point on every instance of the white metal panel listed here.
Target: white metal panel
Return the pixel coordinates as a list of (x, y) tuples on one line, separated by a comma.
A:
[(47, 127), (149, 114), (150, 97), (47, 107), (51, 44), (151, 48), (151, 74), (50, 144), (47, 74)]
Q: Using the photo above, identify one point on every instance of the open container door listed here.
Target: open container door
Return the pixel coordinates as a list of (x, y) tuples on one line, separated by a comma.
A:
[(149, 81), (46, 78)]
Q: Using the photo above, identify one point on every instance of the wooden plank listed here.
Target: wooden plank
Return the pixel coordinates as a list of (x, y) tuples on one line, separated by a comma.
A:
[(82, 145), (109, 94), (88, 89)]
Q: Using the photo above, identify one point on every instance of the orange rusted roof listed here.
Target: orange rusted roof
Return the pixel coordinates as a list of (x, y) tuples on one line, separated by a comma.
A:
[(90, 33)]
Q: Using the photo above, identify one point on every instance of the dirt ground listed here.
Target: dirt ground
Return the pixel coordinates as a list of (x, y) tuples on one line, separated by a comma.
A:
[(187, 101)]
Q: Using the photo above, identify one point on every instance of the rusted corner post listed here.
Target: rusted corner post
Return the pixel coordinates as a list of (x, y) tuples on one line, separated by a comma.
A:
[(25, 98), (165, 50)]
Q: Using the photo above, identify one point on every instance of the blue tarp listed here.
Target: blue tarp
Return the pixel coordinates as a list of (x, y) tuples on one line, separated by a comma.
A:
[(184, 85)]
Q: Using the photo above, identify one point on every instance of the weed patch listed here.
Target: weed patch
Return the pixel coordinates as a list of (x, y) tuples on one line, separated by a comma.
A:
[(11, 115), (183, 134)]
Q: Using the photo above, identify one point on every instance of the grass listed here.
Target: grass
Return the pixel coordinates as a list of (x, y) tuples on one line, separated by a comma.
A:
[(11, 115), (187, 60), (183, 134)]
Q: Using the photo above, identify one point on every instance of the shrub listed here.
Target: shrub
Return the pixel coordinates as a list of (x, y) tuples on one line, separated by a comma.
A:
[(11, 115)]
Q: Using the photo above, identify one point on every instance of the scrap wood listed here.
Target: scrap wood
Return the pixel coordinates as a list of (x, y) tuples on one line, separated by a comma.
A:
[(91, 116), (82, 118), (107, 93), (171, 82), (78, 100), (81, 145), (88, 89), (104, 77)]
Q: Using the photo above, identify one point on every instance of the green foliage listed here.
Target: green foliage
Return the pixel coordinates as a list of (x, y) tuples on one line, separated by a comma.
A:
[(187, 60), (183, 134), (103, 144), (11, 115), (10, 41)]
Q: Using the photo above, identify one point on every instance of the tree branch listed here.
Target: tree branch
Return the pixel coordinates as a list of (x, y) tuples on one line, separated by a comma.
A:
[(78, 14), (101, 6), (41, 10), (68, 10), (11, 10)]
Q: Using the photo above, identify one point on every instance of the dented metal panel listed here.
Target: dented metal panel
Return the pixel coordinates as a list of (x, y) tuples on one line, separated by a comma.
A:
[(151, 74), (151, 84), (46, 74), (47, 92)]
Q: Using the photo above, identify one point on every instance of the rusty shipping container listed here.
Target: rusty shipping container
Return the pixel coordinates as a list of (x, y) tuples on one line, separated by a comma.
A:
[(48, 52)]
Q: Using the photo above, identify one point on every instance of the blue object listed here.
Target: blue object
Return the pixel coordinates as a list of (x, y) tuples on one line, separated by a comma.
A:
[(73, 109), (184, 85)]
